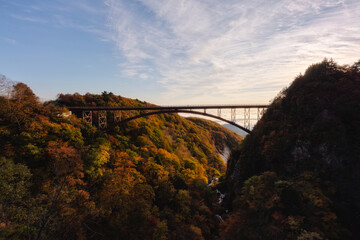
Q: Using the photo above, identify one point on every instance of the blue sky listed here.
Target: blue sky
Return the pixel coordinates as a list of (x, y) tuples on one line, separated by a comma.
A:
[(174, 51)]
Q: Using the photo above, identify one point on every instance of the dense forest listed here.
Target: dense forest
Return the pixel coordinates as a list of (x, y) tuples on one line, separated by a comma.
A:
[(297, 175), (61, 178)]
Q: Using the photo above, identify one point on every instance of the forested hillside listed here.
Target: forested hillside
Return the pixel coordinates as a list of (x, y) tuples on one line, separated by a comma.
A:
[(61, 178), (297, 175)]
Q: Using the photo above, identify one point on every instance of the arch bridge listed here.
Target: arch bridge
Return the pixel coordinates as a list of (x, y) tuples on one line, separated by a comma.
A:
[(143, 111)]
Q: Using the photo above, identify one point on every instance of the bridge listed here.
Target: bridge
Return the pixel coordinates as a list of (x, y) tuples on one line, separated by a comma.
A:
[(143, 111)]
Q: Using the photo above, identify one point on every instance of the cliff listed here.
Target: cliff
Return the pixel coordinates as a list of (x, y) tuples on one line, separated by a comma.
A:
[(309, 136)]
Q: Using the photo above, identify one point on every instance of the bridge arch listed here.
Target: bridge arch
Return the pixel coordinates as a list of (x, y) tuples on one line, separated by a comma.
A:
[(102, 112), (185, 111)]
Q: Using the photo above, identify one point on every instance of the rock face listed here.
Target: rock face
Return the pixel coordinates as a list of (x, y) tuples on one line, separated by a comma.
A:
[(312, 126)]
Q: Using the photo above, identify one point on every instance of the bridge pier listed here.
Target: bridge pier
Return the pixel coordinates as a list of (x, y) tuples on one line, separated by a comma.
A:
[(233, 114), (260, 113), (247, 118), (87, 116), (117, 116), (102, 119)]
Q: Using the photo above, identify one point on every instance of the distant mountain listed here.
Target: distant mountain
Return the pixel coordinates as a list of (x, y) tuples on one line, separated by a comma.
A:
[(235, 129)]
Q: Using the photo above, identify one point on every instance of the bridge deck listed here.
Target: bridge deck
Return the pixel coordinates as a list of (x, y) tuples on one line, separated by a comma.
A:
[(103, 108)]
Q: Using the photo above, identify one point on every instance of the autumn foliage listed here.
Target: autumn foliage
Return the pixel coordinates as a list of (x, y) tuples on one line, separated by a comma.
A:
[(296, 176), (62, 178)]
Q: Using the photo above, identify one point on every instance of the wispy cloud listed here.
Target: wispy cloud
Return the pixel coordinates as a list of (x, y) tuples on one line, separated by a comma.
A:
[(82, 15), (8, 40), (231, 48), (29, 18)]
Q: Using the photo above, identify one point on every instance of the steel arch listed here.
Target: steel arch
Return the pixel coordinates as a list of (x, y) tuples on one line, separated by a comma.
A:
[(185, 111)]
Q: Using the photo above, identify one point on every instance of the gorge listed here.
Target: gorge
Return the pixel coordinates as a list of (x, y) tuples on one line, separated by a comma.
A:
[(295, 176)]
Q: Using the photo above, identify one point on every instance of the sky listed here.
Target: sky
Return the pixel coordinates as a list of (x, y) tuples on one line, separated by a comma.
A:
[(173, 52)]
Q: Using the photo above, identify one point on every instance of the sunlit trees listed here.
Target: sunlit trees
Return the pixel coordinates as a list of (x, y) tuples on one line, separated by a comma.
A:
[(146, 179)]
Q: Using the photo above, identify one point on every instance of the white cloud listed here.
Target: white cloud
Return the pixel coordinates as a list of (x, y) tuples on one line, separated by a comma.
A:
[(242, 51)]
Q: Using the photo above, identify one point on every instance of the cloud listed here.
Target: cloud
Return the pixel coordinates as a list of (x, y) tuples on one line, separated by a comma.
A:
[(231, 49), (82, 15), (8, 40), (29, 18), (85, 5)]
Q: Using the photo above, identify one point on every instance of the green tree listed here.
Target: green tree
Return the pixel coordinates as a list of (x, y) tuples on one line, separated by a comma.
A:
[(14, 198)]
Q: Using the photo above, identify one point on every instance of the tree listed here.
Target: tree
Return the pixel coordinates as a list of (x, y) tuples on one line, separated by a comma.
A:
[(14, 197), (273, 208), (20, 103), (5, 86)]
